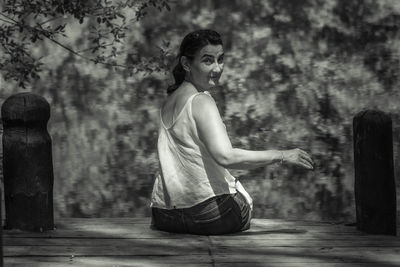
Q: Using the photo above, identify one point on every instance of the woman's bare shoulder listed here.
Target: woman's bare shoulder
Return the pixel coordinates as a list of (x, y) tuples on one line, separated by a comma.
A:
[(203, 99), (203, 105)]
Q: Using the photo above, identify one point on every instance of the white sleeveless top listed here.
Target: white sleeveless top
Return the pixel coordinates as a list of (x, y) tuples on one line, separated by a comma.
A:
[(188, 173)]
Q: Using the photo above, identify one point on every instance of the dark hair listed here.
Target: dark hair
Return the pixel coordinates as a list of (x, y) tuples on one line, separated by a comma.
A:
[(192, 43)]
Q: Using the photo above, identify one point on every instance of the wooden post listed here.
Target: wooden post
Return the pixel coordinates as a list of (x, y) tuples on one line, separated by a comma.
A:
[(375, 190), (27, 163), (1, 231)]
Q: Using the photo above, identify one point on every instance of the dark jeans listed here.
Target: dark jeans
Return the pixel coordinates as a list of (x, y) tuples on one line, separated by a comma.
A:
[(218, 215)]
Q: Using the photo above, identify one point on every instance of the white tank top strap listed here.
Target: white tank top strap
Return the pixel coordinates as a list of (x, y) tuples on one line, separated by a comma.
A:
[(186, 107)]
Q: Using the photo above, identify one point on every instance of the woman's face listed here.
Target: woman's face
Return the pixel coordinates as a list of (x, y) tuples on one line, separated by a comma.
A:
[(206, 67)]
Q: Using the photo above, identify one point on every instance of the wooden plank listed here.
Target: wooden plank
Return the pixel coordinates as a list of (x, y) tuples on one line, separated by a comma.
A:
[(138, 221), (140, 224), (121, 246), (190, 260), (175, 261), (278, 235), (118, 227), (307, 243), (72, 223), (111, 233), (297, 264), (222, 253), (103, 221), (375, 255), (132, 233), (146, 220), (87, 251), (194, 241), (121, 231), (257, 225), (164, 261)]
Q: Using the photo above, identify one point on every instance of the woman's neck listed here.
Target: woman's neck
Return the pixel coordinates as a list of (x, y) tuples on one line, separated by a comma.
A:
[(198, 87), (192, 84), (187, 86)]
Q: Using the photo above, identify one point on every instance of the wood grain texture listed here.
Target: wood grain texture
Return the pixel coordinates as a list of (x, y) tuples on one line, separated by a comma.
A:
[(130, 242), (27, 163)]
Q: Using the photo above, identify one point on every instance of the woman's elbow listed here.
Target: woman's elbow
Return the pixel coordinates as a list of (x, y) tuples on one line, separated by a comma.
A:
[(225, 159)]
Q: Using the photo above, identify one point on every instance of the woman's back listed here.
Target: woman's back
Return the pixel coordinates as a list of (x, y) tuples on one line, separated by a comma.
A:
[(189, 174), (174, 105)]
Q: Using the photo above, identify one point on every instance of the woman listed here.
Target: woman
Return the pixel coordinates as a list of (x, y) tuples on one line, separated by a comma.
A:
[(195, 193)]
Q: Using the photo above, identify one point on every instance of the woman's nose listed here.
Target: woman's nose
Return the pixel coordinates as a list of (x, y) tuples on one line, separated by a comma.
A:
[(217, 67)]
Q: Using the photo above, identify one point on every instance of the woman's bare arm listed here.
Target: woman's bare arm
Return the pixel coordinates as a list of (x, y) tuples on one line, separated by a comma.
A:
[(213, 134)]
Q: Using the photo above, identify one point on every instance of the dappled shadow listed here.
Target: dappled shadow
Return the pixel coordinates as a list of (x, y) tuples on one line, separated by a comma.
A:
[(111, 244), (278, 255), (120, 242), (266, 232)]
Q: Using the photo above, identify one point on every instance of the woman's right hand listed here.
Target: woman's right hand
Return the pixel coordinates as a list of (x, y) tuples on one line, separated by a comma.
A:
[(298, 157)]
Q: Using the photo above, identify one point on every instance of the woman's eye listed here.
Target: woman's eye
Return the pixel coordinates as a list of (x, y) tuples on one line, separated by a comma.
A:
[(208, 61), (221, 60)]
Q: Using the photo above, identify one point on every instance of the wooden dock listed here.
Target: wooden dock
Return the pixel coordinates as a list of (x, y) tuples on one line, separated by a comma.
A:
[(130, 242)]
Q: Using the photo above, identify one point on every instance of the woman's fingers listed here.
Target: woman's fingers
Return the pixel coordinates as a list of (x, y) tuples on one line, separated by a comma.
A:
[(306, 164), (305, 159), (308, 158), (305, 154), (300, 157)]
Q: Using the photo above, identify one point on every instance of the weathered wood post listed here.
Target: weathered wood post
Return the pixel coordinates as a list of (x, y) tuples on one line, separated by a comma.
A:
[(375, 190), (27, 163), (1, 231)]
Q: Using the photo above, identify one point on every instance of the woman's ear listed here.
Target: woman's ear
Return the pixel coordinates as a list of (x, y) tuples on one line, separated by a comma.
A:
[(185, 63)]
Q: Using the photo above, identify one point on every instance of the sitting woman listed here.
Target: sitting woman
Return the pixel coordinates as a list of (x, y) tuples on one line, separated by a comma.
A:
[(195, 193)]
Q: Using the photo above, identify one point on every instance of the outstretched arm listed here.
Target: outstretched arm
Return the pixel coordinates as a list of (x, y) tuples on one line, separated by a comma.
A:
[(213, 134)]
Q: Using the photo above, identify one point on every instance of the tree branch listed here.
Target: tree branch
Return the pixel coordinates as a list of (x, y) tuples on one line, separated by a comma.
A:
[(90, 48), (7, 17), (6, 21), (62, 45), (46, 21), (84, 57)]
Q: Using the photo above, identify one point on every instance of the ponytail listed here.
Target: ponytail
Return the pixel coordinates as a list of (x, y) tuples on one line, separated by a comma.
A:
[(179, 76)]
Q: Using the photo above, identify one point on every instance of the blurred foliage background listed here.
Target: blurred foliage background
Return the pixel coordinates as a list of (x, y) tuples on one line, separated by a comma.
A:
[(296, 73)]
